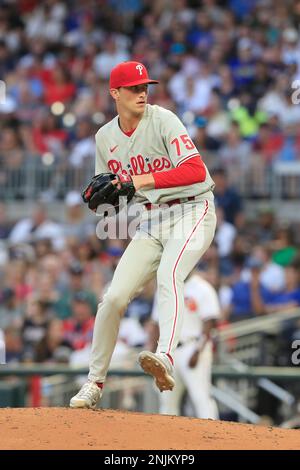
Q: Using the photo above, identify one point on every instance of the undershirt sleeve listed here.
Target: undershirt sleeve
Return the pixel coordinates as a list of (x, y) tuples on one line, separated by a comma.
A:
[(190, 172)]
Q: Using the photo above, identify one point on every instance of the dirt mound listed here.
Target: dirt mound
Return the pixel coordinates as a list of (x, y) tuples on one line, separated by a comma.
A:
[(63, 428)]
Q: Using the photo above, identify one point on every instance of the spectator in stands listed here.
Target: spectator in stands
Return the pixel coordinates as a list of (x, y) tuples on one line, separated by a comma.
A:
[(109, 57), (226, 196), (35, 324), (288, 298), (61, 88), (141, 307), (237, 300), (258, 274), (42, 248), (77, 226), (269, 140), (83, 151), (265, 224), (225, 235), (16, 273), (78, 330), (226, 88), (5, 223), (243, 65), (262, 80), (14, 348), (235, 154), (37, 227), (47, 290), (7, 61), (12, 158), (218, 120), (111, 256), (202, 140), (272, 275), (77, 283), (51, 266), (53, 347), (46, 21), (285, 251), (48, 135), (10, 311)]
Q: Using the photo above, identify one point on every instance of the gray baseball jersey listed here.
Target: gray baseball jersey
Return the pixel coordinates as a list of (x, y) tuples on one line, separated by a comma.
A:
[(159, 143)]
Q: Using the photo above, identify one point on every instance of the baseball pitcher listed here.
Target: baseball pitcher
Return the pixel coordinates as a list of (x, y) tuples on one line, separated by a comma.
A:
[(146, 154)]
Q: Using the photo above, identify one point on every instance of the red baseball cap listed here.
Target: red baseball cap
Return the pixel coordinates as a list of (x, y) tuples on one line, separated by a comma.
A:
[(129, 74)]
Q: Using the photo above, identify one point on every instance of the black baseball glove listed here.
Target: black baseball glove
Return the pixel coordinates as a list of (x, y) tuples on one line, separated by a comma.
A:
[(102, 190)]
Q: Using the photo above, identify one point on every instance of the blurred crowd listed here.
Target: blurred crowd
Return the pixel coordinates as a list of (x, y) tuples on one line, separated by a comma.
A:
[(227, 68), (230, 69), (52, 276)]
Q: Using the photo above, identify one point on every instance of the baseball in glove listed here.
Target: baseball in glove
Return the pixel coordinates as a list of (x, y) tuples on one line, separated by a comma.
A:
[(106, 188)]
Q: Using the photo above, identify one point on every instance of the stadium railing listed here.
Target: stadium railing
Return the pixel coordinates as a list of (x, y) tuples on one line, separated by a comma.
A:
[(53, 178)]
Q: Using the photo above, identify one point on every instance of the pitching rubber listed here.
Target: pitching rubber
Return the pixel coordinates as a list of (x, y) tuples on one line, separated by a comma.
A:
[(152, 365)]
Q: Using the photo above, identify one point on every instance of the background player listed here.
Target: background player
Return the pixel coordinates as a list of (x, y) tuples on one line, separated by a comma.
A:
[(194, 354), (150, 146)]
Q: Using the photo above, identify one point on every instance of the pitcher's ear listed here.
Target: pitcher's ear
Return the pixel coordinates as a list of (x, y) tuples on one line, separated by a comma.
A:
[(114, 93)]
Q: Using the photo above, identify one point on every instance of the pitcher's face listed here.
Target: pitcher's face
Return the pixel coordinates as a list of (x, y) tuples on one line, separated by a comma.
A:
[(132, 99)]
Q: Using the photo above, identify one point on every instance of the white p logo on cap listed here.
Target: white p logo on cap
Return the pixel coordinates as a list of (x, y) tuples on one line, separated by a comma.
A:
[(140, 67)]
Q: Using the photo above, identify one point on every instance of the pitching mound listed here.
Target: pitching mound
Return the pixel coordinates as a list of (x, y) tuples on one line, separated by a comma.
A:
[(62, 428)]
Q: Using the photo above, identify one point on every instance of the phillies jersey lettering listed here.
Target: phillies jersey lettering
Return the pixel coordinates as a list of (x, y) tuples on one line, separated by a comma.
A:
[(139, 165), (159, 143)]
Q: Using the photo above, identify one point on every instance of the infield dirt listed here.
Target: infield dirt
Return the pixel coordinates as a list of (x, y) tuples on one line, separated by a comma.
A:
[(63, 428)]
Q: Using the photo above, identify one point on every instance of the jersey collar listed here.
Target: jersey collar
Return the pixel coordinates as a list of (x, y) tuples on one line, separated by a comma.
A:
[(140, 127)]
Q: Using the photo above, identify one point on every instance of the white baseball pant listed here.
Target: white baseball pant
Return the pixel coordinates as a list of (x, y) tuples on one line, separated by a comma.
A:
[(170, 241)]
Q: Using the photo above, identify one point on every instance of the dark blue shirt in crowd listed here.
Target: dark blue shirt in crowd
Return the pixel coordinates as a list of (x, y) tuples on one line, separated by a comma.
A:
[(231, 203), (241, 300), (286, 297)]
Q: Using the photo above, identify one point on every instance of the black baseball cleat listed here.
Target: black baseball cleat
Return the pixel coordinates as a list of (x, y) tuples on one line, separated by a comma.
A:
[(159, 366)]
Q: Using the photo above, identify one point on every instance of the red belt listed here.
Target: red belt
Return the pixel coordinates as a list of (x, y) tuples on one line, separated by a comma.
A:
[(150, 206)]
